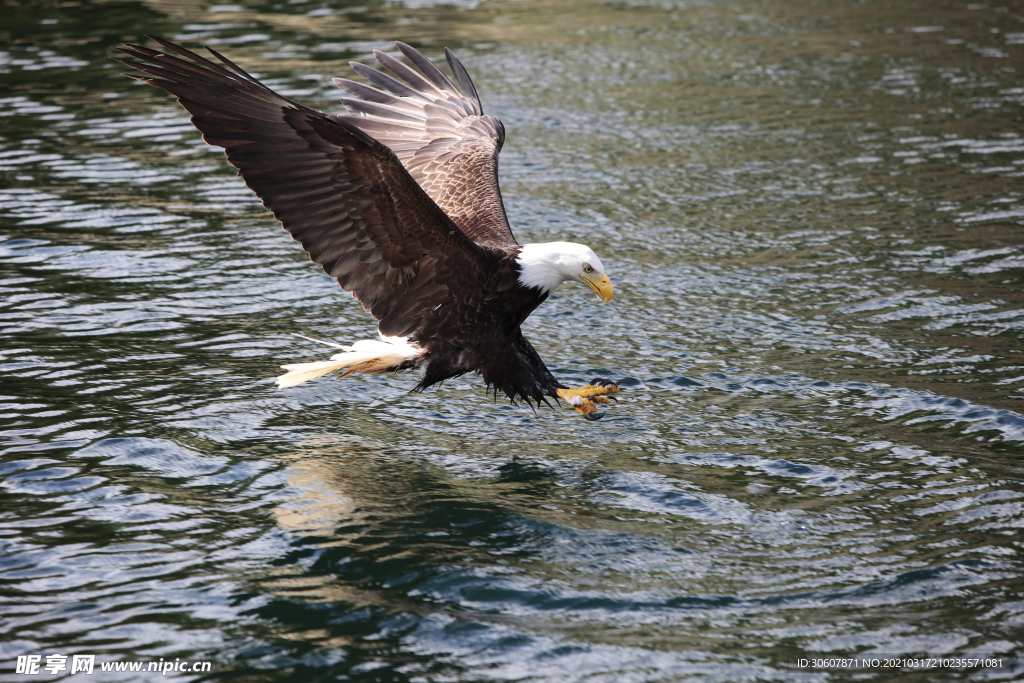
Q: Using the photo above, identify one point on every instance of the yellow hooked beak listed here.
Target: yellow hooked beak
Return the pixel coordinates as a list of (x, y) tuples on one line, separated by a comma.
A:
[(602, 287)]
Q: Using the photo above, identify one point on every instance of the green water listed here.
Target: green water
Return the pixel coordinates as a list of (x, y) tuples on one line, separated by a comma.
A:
[(812, 213)]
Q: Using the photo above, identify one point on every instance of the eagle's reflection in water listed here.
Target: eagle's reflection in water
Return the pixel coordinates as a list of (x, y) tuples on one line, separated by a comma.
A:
[(370, 527)]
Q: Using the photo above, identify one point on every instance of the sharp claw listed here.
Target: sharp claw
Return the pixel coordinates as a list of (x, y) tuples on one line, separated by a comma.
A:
[(594, 417), (599, 382), (612, 398)]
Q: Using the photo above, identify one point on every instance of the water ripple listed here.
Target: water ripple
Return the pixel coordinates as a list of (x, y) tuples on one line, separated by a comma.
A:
[(811, 217)]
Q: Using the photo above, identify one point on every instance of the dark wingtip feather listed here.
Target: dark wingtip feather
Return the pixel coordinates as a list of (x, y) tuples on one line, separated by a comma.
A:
[(465, 82), (426, 66), (190, 64), (239, 70)]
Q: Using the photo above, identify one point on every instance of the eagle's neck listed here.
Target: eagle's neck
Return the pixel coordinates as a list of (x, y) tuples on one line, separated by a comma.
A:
[(548, 264)]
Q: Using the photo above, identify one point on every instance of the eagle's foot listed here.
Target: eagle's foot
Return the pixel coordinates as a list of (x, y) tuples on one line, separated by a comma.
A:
[(585, 399)]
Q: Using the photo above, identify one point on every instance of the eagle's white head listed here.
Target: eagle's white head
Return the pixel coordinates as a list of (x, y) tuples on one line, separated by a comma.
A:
[(549, 264)]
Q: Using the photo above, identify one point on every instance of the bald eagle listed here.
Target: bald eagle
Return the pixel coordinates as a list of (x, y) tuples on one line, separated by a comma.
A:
[(398, 200)]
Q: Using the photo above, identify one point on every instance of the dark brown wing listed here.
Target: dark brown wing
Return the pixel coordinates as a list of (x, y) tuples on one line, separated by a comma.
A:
[(342, 194), (441, 135)]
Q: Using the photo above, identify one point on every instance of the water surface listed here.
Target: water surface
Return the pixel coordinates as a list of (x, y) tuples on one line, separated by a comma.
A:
[(813, 216)]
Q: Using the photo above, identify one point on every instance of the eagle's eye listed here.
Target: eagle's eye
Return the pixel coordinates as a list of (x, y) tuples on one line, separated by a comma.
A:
[(587, 268)]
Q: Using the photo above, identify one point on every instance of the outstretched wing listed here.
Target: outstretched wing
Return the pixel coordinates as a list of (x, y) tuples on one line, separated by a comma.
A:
[(440, 134), (339, 192)]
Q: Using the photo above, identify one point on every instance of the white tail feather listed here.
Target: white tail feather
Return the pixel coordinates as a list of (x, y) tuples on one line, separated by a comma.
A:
[(365, 356)]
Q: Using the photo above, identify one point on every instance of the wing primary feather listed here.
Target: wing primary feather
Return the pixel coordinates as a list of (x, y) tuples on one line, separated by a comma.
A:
[(239, 70), (464, 80), (186, 74), (168, 65), (407, 74), (365, 92), (159, 72), (381, 79), (427, 67), (177, 49), (380, 110)]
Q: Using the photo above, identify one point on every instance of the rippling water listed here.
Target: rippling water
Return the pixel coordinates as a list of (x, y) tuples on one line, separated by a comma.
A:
[(813, 215)]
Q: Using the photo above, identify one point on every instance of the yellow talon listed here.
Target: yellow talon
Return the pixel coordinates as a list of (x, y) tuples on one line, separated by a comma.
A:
[(585, 399)]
